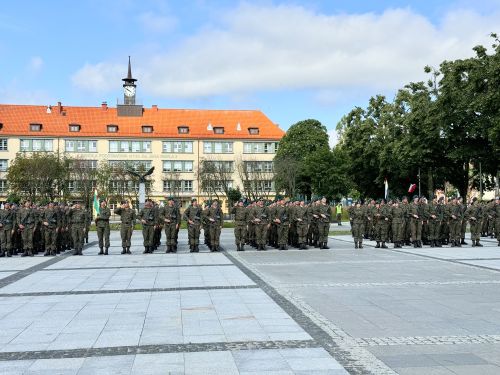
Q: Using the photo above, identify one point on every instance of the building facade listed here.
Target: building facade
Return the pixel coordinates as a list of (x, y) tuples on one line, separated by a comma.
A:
[(181, 144)]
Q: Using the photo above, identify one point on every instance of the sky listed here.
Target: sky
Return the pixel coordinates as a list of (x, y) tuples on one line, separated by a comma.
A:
[(294, 60)]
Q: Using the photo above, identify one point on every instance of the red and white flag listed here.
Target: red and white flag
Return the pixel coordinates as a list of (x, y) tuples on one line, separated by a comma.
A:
[(412, 188)]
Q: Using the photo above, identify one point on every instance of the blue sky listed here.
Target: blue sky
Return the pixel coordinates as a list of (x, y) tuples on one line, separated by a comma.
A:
[(293, 60)]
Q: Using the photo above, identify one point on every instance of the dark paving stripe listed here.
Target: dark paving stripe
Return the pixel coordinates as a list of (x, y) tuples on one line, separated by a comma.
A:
[(318, 334), (157, 349), (28, 271), (121, 267), (114, 291)]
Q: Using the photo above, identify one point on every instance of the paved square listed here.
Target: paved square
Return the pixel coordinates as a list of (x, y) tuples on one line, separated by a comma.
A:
[(337, 311)]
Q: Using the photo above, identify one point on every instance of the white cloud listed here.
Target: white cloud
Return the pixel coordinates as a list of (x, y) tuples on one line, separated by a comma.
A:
[(289, 47), (35, 64), (101, 77), (157, 23)]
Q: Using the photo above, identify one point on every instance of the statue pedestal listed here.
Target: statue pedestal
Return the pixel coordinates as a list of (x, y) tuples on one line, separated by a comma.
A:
[(142, 195)]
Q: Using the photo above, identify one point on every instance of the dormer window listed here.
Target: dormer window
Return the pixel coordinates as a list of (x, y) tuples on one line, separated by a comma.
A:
[(183, 129), (35, 127), (112, 128), (147, 129), (253, 131), (218, 130), (74, 127)]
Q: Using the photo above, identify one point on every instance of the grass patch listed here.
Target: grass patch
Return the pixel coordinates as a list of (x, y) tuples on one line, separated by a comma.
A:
[(339, 232)]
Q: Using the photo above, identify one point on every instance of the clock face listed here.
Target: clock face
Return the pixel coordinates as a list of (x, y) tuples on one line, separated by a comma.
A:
[(129, 90)]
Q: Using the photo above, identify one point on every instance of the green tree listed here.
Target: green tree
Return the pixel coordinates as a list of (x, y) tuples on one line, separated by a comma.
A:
[(38, 176)]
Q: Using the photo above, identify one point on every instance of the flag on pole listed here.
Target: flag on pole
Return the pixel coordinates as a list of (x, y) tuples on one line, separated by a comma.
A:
[(386, 184), (412, 188), (96, 207)]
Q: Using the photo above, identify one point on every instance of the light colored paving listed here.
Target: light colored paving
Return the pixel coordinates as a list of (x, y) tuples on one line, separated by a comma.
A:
[(128, 279), (17, 263), (4, 274), (110, 320), (248, 362)]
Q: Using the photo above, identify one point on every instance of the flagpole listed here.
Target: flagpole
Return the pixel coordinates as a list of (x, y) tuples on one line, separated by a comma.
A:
[(419, 182)]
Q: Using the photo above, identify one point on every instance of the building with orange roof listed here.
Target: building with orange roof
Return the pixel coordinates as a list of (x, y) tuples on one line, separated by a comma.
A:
[(174, 141)]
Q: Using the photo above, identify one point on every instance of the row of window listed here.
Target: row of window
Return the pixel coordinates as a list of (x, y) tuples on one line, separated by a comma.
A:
[(127, 146), (112, 128), (168, 165)]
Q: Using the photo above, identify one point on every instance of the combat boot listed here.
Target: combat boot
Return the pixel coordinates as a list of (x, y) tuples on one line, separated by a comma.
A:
[(106, 251), (191, 248), (30, 252), (101, 252), (169, 249), (174, 249), (325, 246), (478, 244), (384, 246), (238, 247), (128, 250), (378, 245), (2, 254), (355, 244), (197, 248), (124, 251), (242, 247), (432, 243), (463, 242), (360, 244), (473, 243), (438, 243), (396, 245), (9, 253), (146, 250), (458, 243)]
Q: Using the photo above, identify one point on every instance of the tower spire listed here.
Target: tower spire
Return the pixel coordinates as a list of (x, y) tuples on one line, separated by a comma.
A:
[(129, 75), (129, 78)]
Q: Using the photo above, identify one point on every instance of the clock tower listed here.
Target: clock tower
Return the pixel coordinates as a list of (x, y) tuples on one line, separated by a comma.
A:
[(129, 87)]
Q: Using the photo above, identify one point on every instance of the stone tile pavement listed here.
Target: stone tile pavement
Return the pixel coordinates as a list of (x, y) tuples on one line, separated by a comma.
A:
[(148, 314)]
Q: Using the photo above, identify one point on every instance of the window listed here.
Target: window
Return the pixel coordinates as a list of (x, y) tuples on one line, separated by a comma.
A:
[(3, 165), (35, 127), (219, 166), (177, 147), (217, 147), (177, 166), (36, 144), (112, 128), (259, 186), (258, 166), (3, 144), (178, 185), (130, 146), (136, 165), (74, 127), (183, 130), (147, 129), (83, 164), (260, 147), (218, 130), (253, 131), (80, 145), (3, 186)]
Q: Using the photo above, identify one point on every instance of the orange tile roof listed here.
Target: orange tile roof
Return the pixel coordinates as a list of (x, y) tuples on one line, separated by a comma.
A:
[(16, 121)]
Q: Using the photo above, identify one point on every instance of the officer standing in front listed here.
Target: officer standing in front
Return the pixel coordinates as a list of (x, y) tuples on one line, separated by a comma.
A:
[(193, 217), (128, 218), (170, 217), (78, 218), (149, 218), (102, 227), (240, 225)]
